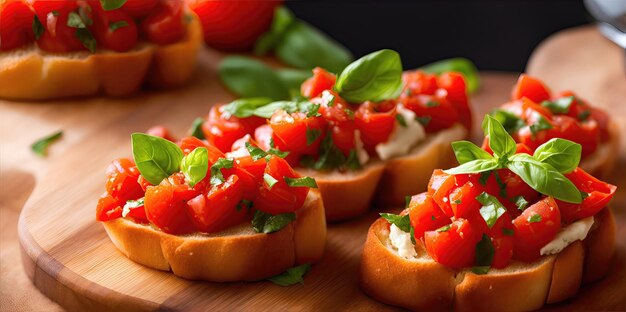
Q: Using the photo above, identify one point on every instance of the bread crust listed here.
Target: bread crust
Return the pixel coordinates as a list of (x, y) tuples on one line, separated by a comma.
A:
[(600, 163), (236, 254), (520, 286), (350, 194), (31, 74)]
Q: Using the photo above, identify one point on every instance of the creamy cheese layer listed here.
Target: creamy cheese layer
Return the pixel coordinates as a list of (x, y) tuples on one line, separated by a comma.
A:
[(402, 138), (401, 242), (569, 234)]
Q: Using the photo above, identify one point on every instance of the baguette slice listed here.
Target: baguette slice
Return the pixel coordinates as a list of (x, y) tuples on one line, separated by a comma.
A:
[(32, 74), (600, 163), (423, 284), (349, 194), (236, 254)]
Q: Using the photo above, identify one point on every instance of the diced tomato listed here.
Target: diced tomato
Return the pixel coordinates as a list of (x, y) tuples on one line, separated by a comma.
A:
[(115, 30), (233, 25), (166, 206), (602, 119), (57, 37), (16, 19), (161, 132), (139, 8), (515, 187), (166, 25), (321, 80), (188, 144), (534, 228), (375, 122), (454, 247), (121, 184), (531, 88), (222, 130), (343, 136), (437, 107), (280, 198), (297, 133), (250, 175), (108, 208), (599, 194), (463, 200), (501, 235), (454, 84), (419, 82), (425, 215), (439, 187), (217, 209)]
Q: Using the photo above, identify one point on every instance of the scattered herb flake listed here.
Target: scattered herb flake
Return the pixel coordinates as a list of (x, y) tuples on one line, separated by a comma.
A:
[(402, 222), (301, 182), (291, 276), (40, 146), (269, 180), (534, 218), (401, 120)]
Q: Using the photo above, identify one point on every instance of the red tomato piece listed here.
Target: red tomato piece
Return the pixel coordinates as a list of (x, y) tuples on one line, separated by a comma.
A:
[(233, 25), (121, 184), (166, 25), (57, 37), (16, 19), (217, 210), (439, 187), (161, 132), (534, 228), (437, 107), (139, 8), (454, 247), (375, 122), (531, 88), (343, 136), (120, 39), (599, 194), (280, 198), (222, 130), (454, 84), (419, 82), (108, 208), (425, 215), (463, 200), (321, 80), (297, 133), (166, 205), (501, 235)]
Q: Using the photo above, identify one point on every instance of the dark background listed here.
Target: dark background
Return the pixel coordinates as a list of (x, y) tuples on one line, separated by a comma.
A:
[(496, 35)]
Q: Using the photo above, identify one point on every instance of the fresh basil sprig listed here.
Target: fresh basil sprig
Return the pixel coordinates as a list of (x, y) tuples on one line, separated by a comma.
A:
[(80, 21), (249, 78), (245, 107), (112, 4), (543, 171), (263, 222), (374, 77), (156, 158), (509, 121), (195, 165), (484, 255), (458, 64), (292, 276), (466, 151)]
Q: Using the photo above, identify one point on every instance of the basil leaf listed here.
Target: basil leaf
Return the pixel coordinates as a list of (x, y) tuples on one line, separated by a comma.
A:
[(75, 21), (484, 176), (534, 218), (244, 107), (484, 255), (520, 202), (540, 125), (250, 78), (330, 157), (402, 222), (508, 232), (303, 46), (501, 143), (113, 26), (314, 111), (458, 64), (353, 162), (255, 152), (374, 77), (407, 201), (432, 104), (291, 276), (80, 22), (244, 203), (293, 79), (38, 28), (217, 177), (195, 165), (444, 228), (301, 182), (196, 128), (563, 155), (466, 151), (312, 135), (263, 222), (266, 111), (283, 18), (134, 203), (108, 5), (474, 166), (424, 120), (509, 121), (543, 178), (277, 152), (40, 147), (156, 158), (86, 38), (491, 210), (560, 105), (401, 120), (583, 115), (269, 180)]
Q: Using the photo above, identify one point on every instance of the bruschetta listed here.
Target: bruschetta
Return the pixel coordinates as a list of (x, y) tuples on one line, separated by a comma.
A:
[(536, 115), (67, 48), (506, 230), (373, 132), (204, 215)]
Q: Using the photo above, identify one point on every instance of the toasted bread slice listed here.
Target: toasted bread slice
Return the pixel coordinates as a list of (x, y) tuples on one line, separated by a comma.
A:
[(32, 74), (236, 254), (601, 162), (423, 284), (350, 194)]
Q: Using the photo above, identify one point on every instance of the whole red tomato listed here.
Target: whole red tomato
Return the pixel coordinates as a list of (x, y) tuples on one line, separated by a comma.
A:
[(234, 25)]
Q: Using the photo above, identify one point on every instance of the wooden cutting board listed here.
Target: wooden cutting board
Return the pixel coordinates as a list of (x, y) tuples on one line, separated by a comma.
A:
[(69, 257)]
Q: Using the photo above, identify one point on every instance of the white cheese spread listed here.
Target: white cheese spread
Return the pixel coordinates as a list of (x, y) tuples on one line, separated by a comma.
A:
[(402, 138), (401, 242), (569, 234)]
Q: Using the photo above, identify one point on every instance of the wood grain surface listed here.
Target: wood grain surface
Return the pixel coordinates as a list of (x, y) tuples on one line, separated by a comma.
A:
[(69, 258)]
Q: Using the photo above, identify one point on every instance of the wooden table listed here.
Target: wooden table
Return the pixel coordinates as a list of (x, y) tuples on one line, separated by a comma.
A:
[(22, 123)]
